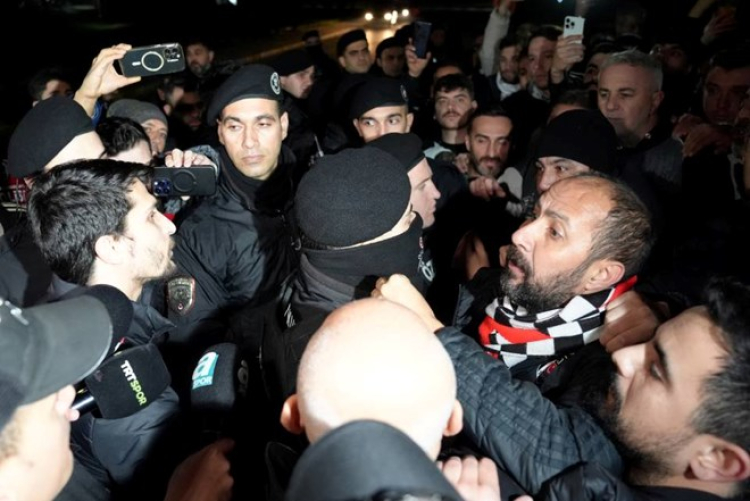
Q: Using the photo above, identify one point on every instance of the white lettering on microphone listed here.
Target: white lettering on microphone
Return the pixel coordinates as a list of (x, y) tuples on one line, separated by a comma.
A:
[(127, 369)]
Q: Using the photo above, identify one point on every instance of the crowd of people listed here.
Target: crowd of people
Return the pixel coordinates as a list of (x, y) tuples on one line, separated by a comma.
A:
[(516, 271)]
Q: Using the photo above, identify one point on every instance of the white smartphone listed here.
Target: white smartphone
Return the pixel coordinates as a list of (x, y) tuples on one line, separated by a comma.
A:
[(573, 25)]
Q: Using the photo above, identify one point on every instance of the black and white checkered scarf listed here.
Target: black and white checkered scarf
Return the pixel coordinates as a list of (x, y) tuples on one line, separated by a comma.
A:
[(511, 333)]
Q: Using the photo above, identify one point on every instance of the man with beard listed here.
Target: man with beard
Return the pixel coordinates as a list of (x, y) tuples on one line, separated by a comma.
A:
[(696, 367), (96, 223), (581, 249), (489, 144)]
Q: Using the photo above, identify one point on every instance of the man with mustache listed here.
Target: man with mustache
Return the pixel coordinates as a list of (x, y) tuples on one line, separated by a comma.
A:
[(454, 104), (675, 409)]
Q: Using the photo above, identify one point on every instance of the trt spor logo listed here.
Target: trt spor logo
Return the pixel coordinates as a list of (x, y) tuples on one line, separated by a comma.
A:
[(203, 375)]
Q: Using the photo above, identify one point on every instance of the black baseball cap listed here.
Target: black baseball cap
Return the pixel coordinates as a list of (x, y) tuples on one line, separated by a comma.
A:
[(47, 347)]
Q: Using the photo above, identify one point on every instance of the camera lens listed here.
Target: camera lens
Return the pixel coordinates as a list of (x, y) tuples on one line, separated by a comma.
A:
[(161, 188)]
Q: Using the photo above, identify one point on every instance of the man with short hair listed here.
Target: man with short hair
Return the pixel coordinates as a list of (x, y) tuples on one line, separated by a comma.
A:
[(353, 52), (96, 223), (454, 105), (151, 118), (562, 270), (529, 109), (199, 57), (49, 82), (45, 350), (650, 160), (390, 56), (236, 247), (711, 169), (696, 366), (504, 82)]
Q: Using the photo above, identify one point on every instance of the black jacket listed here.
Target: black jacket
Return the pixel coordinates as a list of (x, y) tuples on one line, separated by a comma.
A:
[(592, 482), (312, 297), (25, 277), (237, 247), (127, 454), (526, 434)]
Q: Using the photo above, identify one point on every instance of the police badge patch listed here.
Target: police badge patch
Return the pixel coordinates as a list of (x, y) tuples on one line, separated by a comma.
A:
[(181, 294), (275, 83)]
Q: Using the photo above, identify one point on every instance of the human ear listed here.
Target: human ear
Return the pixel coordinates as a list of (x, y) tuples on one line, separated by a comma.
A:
[(455, 421), (720, 461), (290, 417), (603, 274)]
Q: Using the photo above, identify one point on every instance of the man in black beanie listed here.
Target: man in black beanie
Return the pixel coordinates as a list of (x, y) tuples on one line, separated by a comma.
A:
[(356, 223), (234, 248), (575, 142), (54, 131)]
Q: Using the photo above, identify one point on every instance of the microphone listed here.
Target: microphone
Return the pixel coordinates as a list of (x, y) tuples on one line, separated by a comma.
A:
[(125, 383), (119, 307), (219, 377)]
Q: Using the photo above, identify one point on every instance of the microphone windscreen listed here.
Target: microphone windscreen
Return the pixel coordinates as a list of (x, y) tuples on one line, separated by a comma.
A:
[(214, 388), (119, 307), (128, 381)]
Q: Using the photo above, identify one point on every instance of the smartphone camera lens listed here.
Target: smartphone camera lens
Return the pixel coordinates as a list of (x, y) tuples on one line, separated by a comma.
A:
[(171, 53), (162, 188)]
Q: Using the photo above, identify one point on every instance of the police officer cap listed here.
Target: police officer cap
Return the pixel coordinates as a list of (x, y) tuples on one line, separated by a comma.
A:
[(292, 62), (406, 148), (251, 81), (377, 93), (43, 132), (352, 197), (349, 38)]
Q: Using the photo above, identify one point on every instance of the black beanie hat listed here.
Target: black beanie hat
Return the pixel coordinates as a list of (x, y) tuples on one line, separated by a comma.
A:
[(377, 93), (349, 38), (407, 148), (581, 135), (351, 197), (251, 81), (43, 132), (291, 62)]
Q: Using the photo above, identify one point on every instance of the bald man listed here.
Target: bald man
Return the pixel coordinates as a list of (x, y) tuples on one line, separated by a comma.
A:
[(406, 378)]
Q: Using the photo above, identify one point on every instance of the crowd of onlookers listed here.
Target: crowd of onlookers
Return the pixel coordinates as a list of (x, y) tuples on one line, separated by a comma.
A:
[(513, 269)]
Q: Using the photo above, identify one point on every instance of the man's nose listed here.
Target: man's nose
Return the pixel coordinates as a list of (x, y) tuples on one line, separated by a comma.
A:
[(629, 360)]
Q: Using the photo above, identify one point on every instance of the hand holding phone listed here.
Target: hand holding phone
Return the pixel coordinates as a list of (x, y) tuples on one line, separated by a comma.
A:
[(199, 180), (422, 31), (573, 25), (159, 59)]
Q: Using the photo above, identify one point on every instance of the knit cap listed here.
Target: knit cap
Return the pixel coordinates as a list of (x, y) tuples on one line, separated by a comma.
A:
[(352, 197)]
